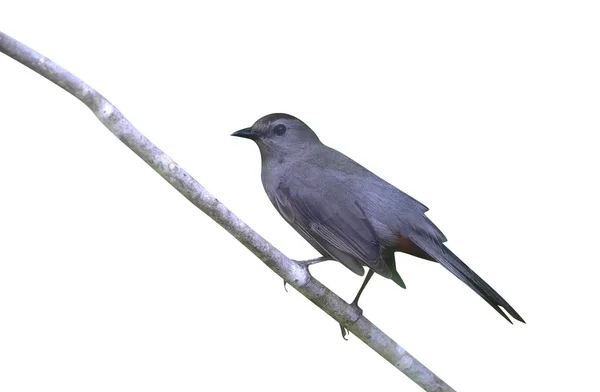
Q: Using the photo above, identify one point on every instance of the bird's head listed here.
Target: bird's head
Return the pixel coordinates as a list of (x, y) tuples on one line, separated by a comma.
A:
[(279, 132)]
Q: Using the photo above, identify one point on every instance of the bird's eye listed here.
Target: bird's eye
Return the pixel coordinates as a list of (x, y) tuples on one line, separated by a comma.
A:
[(279, 129)]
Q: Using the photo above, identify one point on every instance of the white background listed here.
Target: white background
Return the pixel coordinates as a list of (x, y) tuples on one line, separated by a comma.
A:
[(111, 280)]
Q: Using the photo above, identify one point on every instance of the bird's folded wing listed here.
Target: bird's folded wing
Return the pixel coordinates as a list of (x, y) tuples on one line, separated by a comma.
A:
[(338, 225)]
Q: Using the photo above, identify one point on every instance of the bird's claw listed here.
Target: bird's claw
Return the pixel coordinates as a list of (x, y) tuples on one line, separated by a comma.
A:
[(306, 263), (345, 331)]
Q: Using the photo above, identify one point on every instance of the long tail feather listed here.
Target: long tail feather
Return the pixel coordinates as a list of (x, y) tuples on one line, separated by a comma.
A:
[(445, 257)]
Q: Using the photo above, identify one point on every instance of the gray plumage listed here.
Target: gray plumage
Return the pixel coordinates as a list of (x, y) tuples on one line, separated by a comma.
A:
[(346, 212)]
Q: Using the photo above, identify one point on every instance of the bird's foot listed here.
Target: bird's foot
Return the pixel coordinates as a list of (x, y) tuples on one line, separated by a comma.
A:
[(359, 311), (345, 332), (312, 261), (306, 263)]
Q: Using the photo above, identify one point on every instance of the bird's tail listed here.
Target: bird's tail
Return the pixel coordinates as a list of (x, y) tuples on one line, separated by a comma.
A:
[(445, 257)]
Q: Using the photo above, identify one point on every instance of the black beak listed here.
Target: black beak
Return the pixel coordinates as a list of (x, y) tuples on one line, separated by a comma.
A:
[(246, 132)]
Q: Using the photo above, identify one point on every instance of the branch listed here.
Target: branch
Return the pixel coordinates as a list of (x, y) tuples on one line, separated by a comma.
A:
[(295, 274)]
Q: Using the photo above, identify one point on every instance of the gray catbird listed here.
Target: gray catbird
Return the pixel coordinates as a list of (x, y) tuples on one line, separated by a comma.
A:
[(348, 213)]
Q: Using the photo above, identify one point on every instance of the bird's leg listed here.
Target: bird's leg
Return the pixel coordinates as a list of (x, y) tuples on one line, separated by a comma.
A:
[(307, 263), (313, 261), (354, 303)]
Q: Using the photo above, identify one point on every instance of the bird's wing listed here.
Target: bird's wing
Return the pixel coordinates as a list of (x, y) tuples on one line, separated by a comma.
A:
[(338, 225)]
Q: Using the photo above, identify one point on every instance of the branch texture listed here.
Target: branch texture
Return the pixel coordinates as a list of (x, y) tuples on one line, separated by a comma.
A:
[(295, 274)]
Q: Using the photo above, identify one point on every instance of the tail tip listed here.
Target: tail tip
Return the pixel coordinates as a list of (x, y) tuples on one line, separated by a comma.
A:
[(514, 315), (398, 280)]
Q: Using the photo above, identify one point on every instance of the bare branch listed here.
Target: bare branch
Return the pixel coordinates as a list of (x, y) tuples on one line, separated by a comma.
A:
[(295, 274)]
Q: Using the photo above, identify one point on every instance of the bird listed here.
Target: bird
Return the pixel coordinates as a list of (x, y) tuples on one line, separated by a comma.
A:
[(349, 214)]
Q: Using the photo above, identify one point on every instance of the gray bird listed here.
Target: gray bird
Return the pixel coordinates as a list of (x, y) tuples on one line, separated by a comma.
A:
[(346, 212)]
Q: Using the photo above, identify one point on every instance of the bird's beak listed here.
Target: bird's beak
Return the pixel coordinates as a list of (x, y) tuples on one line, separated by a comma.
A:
[(246, 132)]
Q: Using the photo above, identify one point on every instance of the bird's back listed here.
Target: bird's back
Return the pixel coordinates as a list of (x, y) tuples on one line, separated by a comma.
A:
[(341, 182), (391, 210)]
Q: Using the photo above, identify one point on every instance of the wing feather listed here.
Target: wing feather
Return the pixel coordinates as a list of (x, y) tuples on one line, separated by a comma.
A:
[(338, 225)]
